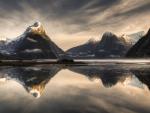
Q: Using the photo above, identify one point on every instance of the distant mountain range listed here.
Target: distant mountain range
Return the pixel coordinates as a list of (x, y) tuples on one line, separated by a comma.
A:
[(34, 43), (110, 46)]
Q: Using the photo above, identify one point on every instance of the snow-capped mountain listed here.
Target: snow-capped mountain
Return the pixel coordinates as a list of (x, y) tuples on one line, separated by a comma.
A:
[(109, 46), (142, 48), (34, 43), (134, 37)]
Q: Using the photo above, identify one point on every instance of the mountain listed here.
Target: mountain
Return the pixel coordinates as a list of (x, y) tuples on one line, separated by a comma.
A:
[(134, 37), (110, 46), (141, 49), (34, 43), (83, 51)]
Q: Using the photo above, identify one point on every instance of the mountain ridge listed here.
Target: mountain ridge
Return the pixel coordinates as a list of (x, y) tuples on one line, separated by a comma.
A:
[(34, 43)]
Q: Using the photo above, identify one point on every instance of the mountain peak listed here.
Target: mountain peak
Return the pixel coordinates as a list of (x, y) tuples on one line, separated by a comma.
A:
[(36, 28), (108, 36)]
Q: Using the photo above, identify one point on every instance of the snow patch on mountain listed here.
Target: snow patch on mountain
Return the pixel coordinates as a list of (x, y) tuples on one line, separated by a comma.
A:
[(132, 38)]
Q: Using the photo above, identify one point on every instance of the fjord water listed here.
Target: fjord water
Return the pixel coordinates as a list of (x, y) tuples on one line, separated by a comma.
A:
[(101, 88)]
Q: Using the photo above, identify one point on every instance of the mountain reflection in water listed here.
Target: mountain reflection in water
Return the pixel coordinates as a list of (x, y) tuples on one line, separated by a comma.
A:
[(75, 89)]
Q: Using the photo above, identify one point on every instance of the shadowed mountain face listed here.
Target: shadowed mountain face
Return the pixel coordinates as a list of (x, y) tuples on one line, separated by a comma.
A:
[(110, 46), (83, 51), (141, 49), (32, 44)]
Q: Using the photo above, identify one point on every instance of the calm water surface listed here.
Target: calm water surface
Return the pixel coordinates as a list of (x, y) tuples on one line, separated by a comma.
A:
[(103, 88)]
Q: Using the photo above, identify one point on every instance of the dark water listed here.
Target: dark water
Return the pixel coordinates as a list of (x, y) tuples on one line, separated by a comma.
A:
[(103, 88)]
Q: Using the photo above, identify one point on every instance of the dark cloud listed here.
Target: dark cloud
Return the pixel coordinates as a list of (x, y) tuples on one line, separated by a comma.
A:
[(103, 3), (76, 10), (75, 18), (60, 7), (138, 10), (71, 11)]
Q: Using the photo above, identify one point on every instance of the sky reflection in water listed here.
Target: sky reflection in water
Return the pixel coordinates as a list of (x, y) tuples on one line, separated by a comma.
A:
[(75, 89)]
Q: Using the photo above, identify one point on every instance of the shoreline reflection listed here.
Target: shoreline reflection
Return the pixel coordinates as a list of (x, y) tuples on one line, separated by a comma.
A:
[(35, 78)]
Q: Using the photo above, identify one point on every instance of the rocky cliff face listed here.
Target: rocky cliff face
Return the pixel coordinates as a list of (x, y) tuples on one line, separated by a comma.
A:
[(141, 49)]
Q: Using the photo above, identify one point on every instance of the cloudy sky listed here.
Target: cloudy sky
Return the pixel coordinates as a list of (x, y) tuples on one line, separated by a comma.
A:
[(73, 22)]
